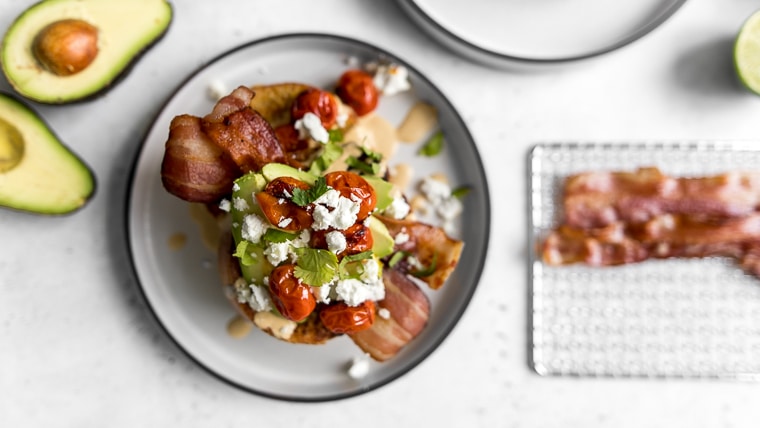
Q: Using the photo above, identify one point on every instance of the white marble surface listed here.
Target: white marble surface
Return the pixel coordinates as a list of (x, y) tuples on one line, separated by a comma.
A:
[(79, 348)]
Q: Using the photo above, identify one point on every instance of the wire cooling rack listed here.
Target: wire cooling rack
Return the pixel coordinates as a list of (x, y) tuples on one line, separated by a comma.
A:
[(676, 318)]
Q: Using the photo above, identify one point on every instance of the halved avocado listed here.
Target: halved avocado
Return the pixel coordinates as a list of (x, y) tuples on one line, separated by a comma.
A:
[(125, 29), (38, 173)]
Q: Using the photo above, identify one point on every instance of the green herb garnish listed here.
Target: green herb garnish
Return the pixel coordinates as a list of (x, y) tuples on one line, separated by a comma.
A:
[(346, 263), (460, 192), (278, 236), (303, 197), (367, 162), (433, 146), (428, 270), (397, 257), (331, 152), (315, 267)]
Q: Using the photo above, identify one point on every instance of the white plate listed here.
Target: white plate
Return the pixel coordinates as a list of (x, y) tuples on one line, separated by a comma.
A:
[(509, 32), (182, 287)]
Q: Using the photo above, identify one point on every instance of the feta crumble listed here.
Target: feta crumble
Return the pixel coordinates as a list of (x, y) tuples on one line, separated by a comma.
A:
[(398, 208), (277, 252), (240, 204), (225, 205), (253, 228), (341, 217), (369, 287), (359, 367), (336, 241), (310, 126), (401, 238), (257, 297), (391, 79), (384, 313)]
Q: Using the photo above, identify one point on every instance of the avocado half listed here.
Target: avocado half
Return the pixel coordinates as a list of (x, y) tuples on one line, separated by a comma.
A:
[(125, 29), (38, 173)]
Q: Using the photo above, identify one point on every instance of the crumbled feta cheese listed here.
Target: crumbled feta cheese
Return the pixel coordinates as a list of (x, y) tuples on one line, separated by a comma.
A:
[(310, 126), (391, 79), (329, 198), (225, 205), (253, 228), (240, 204), (341, 217), (449, 208), (355, 291), (284, 222), (435, 190), (415, 263), (401, 238), (370, 270), (398, 208), (384, 313), (257, 297), (359, 367), (259, 300), (216, 90), (235, 187), (322, 293), (277, 252), (336, 241)]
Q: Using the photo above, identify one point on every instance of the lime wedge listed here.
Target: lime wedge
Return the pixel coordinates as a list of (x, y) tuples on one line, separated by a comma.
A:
[(747, 53)]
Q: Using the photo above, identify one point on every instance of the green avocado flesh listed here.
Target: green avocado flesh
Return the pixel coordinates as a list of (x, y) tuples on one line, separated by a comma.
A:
[(37, 172), (126, 28)]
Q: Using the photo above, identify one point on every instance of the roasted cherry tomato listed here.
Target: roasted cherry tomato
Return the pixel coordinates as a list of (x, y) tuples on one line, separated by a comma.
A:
[(341, 318), (356, 88), (354, 187), (318, 102), (358, 239), (277, 207), (290, 296)]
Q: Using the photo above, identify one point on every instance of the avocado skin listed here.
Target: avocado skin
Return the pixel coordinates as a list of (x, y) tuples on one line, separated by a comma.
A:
[(71, 162), (99, 91)]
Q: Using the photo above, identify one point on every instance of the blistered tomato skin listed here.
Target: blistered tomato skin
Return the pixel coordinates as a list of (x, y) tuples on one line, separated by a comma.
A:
[(291, 297), (354, 187), (341, 318), (356, 88), (318, 102), (277, 207)]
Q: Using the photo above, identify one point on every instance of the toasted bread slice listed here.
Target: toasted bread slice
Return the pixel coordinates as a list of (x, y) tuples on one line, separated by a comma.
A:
[(274, 101)]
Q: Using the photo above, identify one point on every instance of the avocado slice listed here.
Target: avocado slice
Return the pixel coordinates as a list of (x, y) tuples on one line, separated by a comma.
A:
[(38, 173), (125, 29)]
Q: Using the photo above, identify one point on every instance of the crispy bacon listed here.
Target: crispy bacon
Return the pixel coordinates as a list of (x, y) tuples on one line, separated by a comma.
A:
[(596, 199), (193, 167), (431, 245), (662, 237), (242, 132), (409, 310)]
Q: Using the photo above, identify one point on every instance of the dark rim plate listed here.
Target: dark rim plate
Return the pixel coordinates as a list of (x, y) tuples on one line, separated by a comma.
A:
[(181, 286)]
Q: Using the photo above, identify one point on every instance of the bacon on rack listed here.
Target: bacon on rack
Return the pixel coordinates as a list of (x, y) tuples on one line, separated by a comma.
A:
[(597, 199)]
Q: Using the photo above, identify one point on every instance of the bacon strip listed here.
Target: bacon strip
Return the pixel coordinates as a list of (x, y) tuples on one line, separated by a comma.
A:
[(597, 199), (409, 312), (430, 245), (193, 167), (242, 132), (662, 237)]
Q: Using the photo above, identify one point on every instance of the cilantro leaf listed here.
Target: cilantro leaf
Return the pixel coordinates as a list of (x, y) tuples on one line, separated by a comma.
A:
[(367, 162), (315, 267), (303, 197), (331, 152), (460, 192), (433, 146), (278, 236)]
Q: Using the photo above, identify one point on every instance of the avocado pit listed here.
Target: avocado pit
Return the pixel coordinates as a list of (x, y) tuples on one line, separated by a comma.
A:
[(11, 146), (66, 47)]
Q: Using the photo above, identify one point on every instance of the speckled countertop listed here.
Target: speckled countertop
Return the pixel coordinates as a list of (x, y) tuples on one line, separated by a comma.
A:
[(78, 346)]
